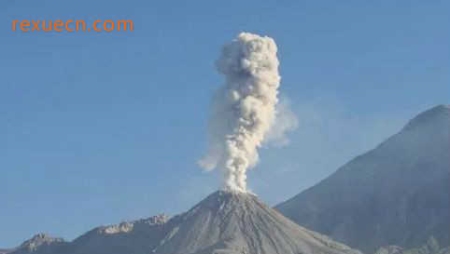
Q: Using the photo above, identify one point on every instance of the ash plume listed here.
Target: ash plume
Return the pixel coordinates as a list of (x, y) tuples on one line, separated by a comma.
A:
[(244, 109)]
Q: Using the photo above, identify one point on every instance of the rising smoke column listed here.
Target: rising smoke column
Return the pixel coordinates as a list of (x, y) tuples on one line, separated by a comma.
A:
[(244, 108)]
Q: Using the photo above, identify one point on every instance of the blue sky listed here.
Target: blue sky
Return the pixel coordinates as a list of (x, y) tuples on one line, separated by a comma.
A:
[(99, 128)]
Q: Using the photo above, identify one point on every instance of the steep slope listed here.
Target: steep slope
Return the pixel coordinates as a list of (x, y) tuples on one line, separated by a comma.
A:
[(396, 194), (232, 223)]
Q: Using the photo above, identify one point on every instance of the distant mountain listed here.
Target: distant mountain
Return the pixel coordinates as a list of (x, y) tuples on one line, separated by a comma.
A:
[(42, 244), (136, 237), (223, 223), (396, 194)]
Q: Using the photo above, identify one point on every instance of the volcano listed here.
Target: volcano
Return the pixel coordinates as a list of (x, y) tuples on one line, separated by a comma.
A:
[(233, 222), (224, 223)]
